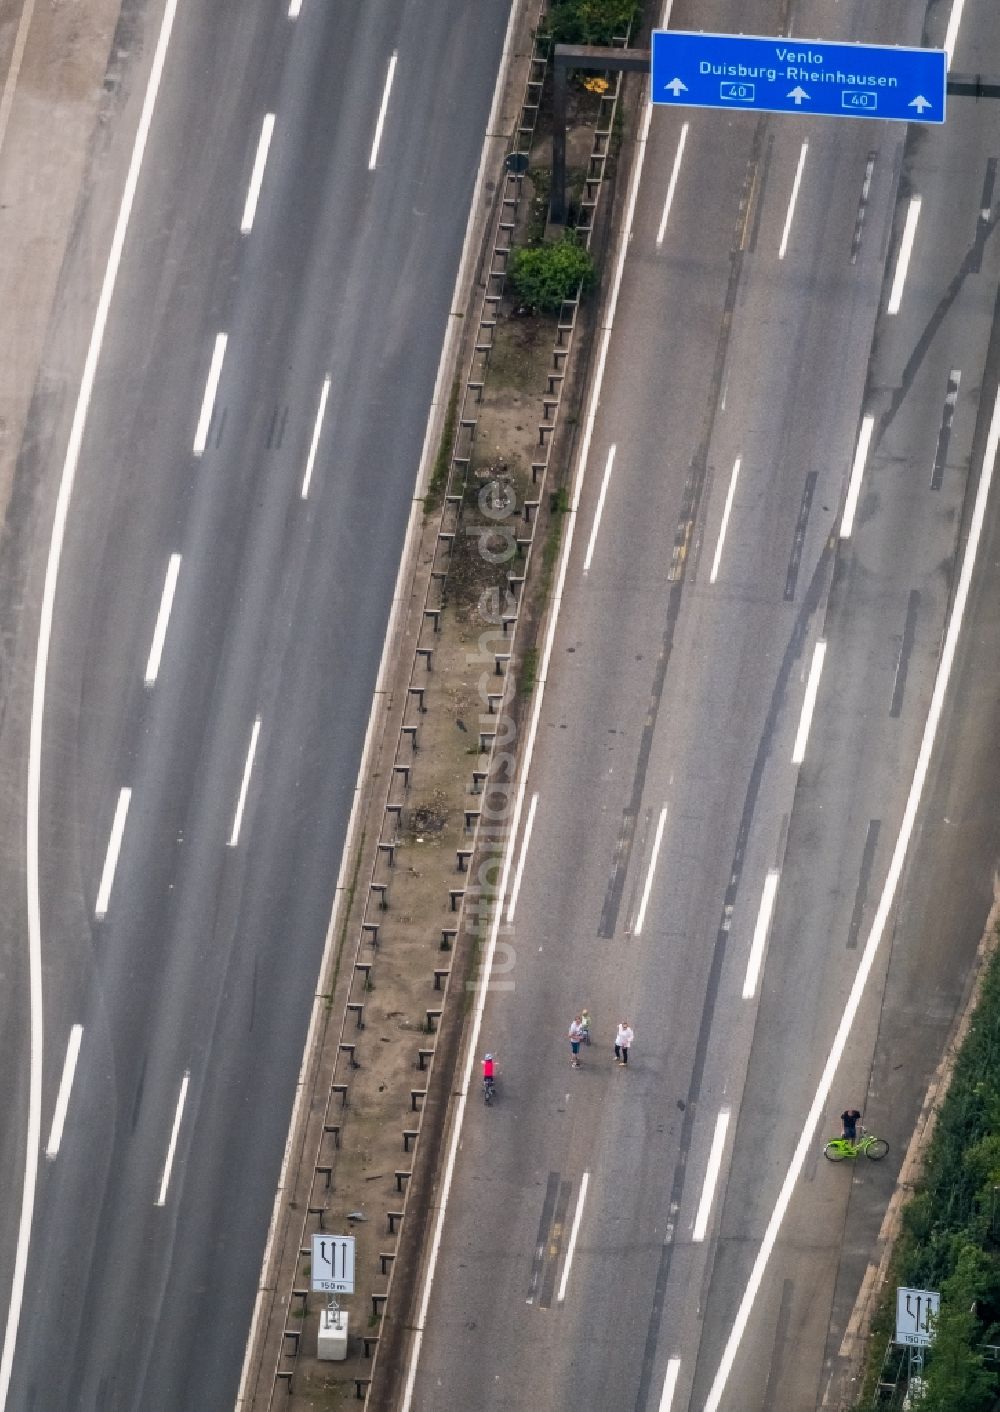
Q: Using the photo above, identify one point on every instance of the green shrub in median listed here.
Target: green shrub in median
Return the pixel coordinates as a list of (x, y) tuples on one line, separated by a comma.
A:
[(590, 21), (544, 275)]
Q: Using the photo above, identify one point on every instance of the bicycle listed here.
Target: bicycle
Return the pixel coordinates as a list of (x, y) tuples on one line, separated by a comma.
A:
[(840, 1149)]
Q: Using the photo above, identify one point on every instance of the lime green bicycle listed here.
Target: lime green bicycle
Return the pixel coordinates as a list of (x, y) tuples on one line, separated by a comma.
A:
[(841, 1149)]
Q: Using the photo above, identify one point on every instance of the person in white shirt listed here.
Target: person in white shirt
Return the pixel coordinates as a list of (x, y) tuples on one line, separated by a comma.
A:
[(623, 1040), (575, 1036)]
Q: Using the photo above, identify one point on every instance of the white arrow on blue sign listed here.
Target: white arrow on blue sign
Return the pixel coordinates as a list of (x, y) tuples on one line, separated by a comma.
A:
[(694, 70)]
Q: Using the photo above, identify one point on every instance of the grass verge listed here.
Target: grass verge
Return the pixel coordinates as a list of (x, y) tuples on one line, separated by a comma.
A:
[(442, 461)]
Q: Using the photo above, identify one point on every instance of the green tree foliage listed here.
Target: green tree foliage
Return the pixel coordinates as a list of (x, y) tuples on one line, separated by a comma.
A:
[(590, 21), (951, 1228), (544, 275), (957, 1380)]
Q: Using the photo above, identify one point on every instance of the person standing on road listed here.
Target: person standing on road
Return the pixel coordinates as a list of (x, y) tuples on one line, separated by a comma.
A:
[(575, 1036), (623, 1041), (850, 1119)]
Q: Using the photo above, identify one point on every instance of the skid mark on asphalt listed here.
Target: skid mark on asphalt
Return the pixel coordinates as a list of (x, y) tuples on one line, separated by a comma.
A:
[(944, 435), (551, 1230), (905, 651), (690, 506), (985, 209), (864, 880), (792, 577), (780, 1342), (816, 594), (971, 261)]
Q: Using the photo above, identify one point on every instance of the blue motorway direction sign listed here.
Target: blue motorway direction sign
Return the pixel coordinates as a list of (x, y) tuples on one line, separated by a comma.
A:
[(692, 70)]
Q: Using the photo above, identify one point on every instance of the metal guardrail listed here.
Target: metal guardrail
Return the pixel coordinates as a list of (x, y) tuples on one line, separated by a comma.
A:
[(378, 882)]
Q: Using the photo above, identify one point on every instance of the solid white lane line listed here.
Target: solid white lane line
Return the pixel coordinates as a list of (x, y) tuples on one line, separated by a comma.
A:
[(711, 1176), (857, 474), (257, 175), (792, 200), (251, 752), (381, 113), (600, 509), (451, 1156), (672, 185), (314, 443), (717, 560), (111, 857), (954, 20), (903, 259), (574, 1232), (524, 853), (886, 902), (670, 1384), (208, 400), (808, 703), (65, 1088), (760, 933), (171, 1150), (162, 618), (33, 1133), (17, 55), (648, 886)]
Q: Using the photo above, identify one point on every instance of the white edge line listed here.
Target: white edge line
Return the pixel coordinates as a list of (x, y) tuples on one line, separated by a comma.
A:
[(454, 330), (670, 1384), (208, 397), (951, 37), (111, 856), (574, 1232), (790, 213), (711, 1176), (857, 475), (17, 55), (524, 853), (168, 1165), (162, 619), (33, 1132), (760, 931), (382, 112), (672, 184), (648, 885), (600, 509), (730, 493), (881, 917), (809, 703), (448, 1170), (257, 175), (65, 1089), (314, 443), (245, 784), (903, 258)]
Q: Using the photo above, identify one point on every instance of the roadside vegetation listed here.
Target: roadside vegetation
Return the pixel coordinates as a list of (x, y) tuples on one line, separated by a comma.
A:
[(590, 21), (442, 461), (544, 275), (950, 1239)]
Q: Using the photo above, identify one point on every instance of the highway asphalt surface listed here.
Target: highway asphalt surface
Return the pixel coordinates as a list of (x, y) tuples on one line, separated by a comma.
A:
[(230, 554), (740, 682)]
